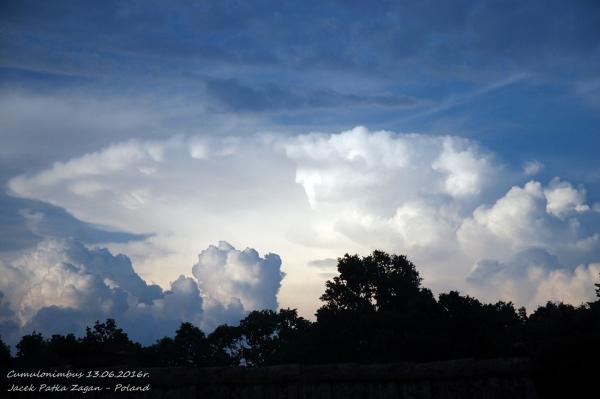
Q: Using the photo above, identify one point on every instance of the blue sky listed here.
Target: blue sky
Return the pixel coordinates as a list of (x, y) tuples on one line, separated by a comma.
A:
[(519, 77), (490, 85)]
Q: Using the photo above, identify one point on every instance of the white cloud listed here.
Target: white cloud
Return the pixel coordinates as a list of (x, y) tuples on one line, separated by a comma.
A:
[(62, 274), (62, 285), (442, 200), (563, 199), (465, 169), (132, 156), (521, 219), (414, 226), (368, 169), (66, 274), (88, 121), (570, 286), (533, 277), (227, 274), (511, 224), (397, 192), (532, 168), (324, 264)]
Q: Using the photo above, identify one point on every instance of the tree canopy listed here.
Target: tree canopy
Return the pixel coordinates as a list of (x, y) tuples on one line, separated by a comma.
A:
[(379, 281)]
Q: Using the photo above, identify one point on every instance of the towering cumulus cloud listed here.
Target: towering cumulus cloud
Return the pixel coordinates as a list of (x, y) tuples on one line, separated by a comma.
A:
[(62, 286), (531, 246), (226, 274)]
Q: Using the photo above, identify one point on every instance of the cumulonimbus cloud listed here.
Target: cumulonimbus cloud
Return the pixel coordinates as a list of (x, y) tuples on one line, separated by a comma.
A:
[(444, 200)]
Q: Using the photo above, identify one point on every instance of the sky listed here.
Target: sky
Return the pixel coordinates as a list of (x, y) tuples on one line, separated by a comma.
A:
[(193, 161)]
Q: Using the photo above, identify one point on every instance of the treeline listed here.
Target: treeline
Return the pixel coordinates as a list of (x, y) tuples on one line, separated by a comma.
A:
[(374, 311)]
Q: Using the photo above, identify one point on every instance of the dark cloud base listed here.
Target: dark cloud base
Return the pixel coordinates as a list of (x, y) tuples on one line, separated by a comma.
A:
[(26, 222)]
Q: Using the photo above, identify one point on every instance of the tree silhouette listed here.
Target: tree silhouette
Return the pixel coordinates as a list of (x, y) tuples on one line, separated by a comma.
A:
[(263, 337), (562, 340), (225, 346), (377, 282), (296, 338), (4, 354), (33, 350), (106, 334), (106, 343), (67, 348), (376, 310), (259, 335), (162, 353), (271, 338), (479, 330), (191, 345)]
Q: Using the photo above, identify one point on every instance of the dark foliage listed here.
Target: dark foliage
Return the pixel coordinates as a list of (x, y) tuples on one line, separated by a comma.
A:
[(473, 329), (34, 350), (225, 346), (191, 346), (4, 354), (65, 347), (263, 337), (562, 341), (106, 344), (374, 311)]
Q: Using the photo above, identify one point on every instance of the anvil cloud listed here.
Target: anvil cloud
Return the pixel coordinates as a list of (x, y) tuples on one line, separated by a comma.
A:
[(467, 219)]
